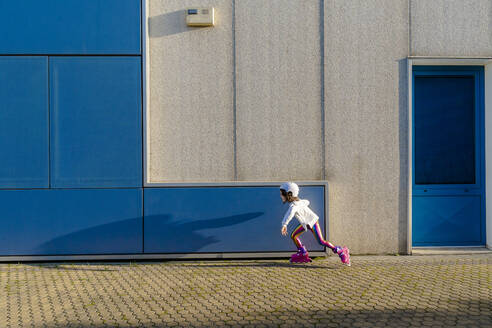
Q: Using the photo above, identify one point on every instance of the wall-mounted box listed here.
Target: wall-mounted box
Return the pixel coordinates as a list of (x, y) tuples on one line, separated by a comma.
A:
[(200, 16)]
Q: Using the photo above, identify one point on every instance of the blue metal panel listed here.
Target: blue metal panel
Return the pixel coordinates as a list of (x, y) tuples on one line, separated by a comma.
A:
[(69, 222), (24, 152), (233, 219), (446, 220), (448, 156), (96, 130), (70, 27)]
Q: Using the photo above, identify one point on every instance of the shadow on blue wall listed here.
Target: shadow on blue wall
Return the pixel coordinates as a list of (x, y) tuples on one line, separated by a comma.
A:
[(110, 238), (172, 236)]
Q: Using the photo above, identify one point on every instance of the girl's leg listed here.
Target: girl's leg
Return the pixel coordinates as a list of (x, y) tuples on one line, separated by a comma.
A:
[(342, 252), (295, 236), (302, 255), (319, 237)]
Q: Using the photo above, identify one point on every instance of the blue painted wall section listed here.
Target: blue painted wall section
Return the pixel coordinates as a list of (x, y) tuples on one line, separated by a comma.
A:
[(68, 222), (229, 219), (96, 122), (70, 27), (24, 154)]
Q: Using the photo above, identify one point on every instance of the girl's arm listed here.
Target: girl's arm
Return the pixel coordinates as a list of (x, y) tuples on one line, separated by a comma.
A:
[(288, 216)]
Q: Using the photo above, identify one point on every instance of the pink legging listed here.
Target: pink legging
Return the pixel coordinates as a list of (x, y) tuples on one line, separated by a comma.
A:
[(316, 232)]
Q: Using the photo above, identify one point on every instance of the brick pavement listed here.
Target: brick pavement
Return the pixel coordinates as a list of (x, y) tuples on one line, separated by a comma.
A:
[(377, 291)]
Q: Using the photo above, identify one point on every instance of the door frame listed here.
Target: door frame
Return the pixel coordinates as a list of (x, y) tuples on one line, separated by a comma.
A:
[(486, 135)]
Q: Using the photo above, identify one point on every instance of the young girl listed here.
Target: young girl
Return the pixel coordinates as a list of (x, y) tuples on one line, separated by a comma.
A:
[(308, 220)]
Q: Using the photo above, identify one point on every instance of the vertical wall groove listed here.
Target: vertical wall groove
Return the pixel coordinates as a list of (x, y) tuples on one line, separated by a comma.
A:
[(322, 83), (234, 86), (409, 27)]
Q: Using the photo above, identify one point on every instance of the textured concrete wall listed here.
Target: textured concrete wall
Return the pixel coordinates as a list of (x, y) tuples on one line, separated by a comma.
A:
[(278, 77), (279, 134), (451, 27), (295, 119), (191, 123), (366, 123)]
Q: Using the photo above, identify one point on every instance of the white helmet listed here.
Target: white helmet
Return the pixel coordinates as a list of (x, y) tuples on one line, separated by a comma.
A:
[(292, 187)]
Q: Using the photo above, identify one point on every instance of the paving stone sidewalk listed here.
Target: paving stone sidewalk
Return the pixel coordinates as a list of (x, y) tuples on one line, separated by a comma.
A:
[(377, 291)]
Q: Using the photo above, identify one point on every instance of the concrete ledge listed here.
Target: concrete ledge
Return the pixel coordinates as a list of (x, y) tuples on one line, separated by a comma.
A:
[(449, 250)]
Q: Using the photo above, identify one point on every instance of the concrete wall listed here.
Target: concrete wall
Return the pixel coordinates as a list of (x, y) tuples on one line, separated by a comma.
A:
[(302, 90), (366, 100), (196, 131), (190, 117), (451, 28), (315, 82), (279, 135)]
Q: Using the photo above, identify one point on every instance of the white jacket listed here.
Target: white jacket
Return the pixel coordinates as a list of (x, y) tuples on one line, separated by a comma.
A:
[(300, 209)]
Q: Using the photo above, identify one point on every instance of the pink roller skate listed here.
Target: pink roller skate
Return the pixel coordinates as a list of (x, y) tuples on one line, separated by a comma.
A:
[(344, 256), (294, 256), (302, 256)]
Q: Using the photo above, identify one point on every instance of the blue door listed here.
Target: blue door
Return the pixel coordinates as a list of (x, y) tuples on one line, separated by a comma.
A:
[(448, 156)]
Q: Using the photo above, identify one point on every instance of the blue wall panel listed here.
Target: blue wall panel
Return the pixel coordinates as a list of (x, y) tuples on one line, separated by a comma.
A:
[(24, 152), (51, 222), (70, 27), (234, 219), (446, 220), (96, 129)]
